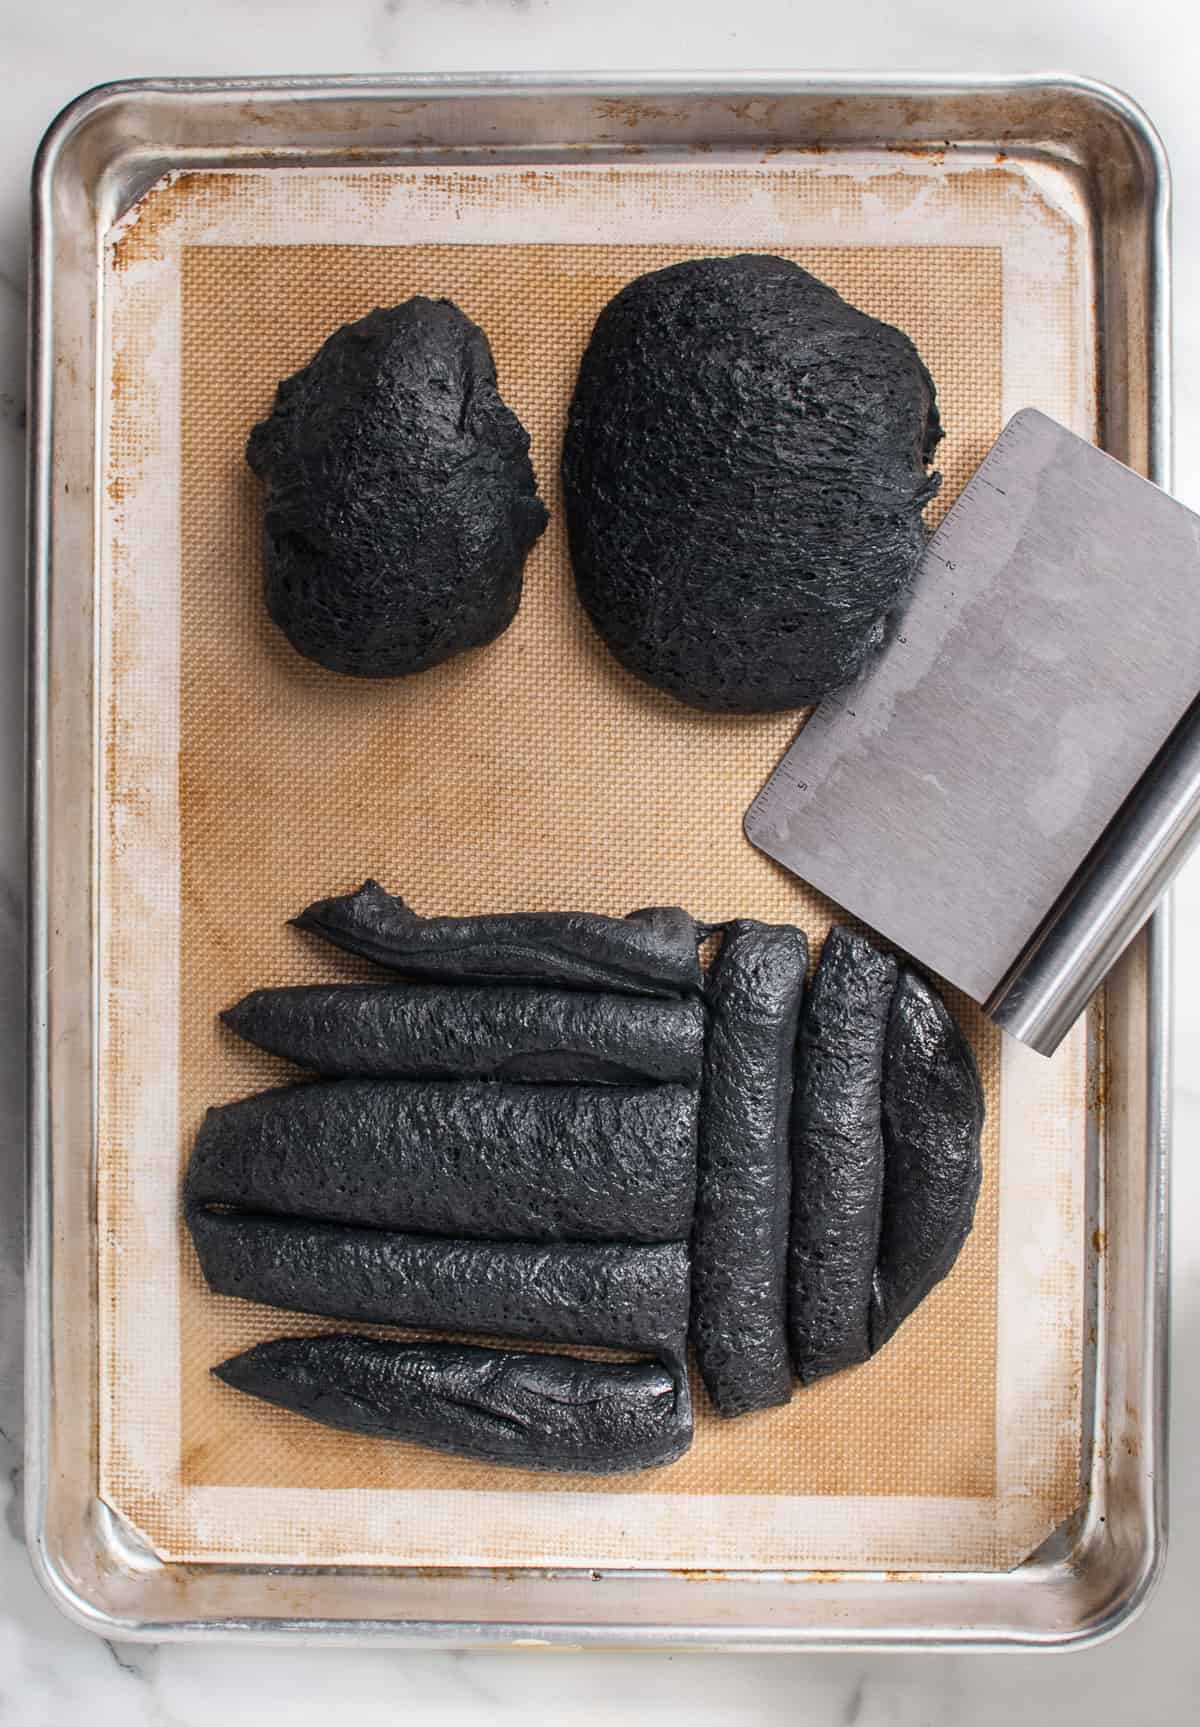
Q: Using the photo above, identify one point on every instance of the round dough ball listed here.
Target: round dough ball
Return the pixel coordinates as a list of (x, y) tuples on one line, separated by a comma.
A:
[(745, 470), (401, 502)]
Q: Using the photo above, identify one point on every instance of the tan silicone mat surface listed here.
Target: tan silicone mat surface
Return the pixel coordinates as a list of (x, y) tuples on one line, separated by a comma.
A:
[(533, 773)]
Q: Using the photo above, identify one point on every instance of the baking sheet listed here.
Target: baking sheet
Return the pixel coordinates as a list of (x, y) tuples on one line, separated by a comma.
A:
[(243, 782)]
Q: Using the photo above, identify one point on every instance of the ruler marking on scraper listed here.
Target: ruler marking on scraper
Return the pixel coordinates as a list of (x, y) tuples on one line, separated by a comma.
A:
[(1051, 644)]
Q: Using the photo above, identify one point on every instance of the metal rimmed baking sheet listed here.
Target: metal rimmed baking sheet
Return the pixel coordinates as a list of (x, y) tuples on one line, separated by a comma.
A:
[(635, 126)]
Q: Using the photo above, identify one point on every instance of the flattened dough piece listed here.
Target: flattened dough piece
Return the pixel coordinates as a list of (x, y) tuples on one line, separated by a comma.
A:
[(401, 503), (740, 1240), (472, 1157), (933, 1112), (626, 1297), (432, 1031), (837, 1156), (651, 952), (497, 1406)]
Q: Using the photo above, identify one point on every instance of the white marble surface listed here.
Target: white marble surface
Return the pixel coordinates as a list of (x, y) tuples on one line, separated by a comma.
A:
[(51, 1673)]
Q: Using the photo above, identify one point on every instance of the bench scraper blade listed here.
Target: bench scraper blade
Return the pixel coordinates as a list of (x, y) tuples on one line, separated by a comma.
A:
[(1009, 785)]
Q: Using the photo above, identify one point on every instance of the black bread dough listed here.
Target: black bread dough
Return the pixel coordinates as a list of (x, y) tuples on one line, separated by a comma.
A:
[(932, 1124), (648, 952), (837, 1155), (571, 1292), (470, 1157), (739, 1244), (493, 1405), (442, 1031), (745, 470), (401, 502)]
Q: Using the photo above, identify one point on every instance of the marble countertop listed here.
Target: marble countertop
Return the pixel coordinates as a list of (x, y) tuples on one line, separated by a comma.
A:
[(52, 1673)]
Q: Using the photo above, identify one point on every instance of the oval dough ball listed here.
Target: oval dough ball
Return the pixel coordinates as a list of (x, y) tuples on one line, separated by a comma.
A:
[(745, 470), (401, 502)]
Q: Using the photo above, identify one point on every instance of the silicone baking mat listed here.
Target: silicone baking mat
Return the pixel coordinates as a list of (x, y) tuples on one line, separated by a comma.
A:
[(244, 782)]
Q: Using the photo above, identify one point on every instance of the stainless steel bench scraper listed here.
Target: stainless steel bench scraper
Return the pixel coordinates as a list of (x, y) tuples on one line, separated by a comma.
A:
[(1009, 786)]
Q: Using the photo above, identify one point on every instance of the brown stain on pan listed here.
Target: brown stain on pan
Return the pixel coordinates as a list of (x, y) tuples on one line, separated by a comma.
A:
[(631, 112), (1131, 1432), (934, 153)]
